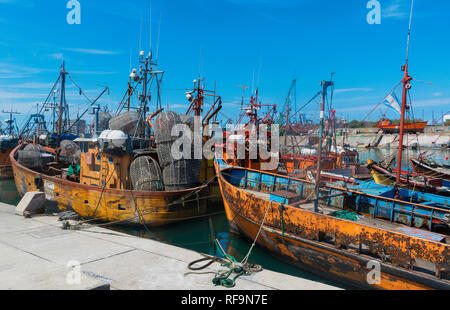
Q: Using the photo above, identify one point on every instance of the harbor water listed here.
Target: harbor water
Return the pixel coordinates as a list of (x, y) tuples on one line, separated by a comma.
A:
[(199, 234)]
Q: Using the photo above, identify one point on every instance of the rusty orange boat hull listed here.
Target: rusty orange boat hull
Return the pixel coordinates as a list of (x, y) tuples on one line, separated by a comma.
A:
[(408, 127), (294, 236), (111, 205), (5, 164)]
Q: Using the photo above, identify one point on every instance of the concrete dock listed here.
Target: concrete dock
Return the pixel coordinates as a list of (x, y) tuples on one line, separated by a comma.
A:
[(37, 253), (364, 137)]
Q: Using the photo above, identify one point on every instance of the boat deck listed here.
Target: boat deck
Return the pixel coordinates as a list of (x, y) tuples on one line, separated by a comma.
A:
[(424, 266), (362, 219)]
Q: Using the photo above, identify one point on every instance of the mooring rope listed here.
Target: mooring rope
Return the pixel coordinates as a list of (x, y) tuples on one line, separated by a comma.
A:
[(222, 277)]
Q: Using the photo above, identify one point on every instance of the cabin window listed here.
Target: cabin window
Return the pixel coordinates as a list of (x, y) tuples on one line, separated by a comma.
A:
[(98, 157), (110, 159), (348, 159)]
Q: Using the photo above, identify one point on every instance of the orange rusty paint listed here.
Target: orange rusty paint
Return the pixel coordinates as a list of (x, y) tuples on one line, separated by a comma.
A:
[(5, 163), (113, 205), (303, 244)]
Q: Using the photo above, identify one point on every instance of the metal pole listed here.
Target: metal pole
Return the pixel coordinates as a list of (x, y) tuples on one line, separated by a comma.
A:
[(325, 85), (406, 86), (61, 101)]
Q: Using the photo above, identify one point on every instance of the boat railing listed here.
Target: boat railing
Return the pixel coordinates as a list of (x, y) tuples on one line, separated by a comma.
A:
[(400, 246), (394, 210)]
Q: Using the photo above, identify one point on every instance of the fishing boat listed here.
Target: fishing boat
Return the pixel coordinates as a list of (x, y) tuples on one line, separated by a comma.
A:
[(292, 123), (334, 159), (399, 177), (125, 175), (243, 135), (377, 229), (8, 141), (7, 144), (418, 182), (409, 127), (430, 168), (357, 233)]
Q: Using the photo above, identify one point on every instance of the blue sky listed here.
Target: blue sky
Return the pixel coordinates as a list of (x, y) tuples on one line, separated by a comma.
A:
[(229, 41)]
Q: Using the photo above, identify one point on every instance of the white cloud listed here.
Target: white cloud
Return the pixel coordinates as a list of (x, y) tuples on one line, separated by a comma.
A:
[(355, 99), (267, 3), (57, 56), (179, 106), (13, 71), (431, 102), (20, 2), (17, 95), (349, 90), (31, 85), (90, 51), (396, 10), (93, 72)]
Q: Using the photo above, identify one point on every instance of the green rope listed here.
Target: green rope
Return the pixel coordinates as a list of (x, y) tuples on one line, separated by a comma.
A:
[(345, 215), (222, 278)]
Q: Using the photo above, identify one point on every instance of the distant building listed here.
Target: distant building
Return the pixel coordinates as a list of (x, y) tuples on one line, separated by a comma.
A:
[(79, 128)]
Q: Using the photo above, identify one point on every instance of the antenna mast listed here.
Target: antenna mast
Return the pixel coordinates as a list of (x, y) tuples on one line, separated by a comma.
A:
[(244, 88)]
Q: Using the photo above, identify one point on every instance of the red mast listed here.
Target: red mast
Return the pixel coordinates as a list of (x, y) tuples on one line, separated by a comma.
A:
[(200, 99), (406, 86)]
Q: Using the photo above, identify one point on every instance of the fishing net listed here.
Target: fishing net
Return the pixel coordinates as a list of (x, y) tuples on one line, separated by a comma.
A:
[(33, 148), (128, 122), (163, 136), (71, 152), (145, 174), (164, 124), (345, 215), (103, 120), (180, 175), (30, 159), (177, 174), (188, 120)]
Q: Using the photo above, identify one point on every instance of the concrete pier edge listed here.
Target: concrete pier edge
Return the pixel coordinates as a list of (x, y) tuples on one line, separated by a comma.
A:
[(38, 254)]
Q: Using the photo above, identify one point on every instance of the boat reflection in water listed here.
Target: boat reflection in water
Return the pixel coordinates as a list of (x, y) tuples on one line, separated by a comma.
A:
[(8, 192)]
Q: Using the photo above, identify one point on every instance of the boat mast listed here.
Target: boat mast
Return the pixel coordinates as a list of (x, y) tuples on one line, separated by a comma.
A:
[(62, 101), (288, 110), (199, 102), (11, 121), (406, 87), (325, 85)]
